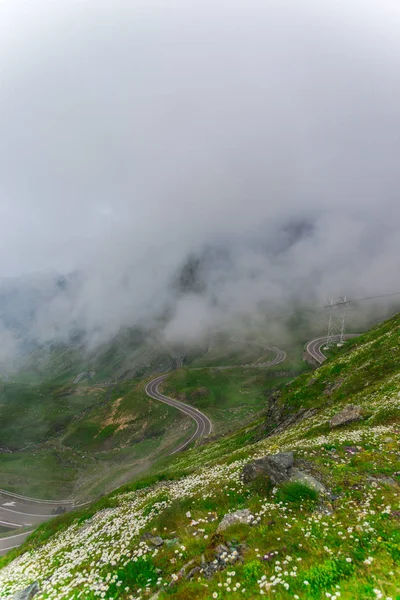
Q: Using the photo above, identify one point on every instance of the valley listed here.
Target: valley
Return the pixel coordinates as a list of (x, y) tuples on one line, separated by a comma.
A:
[(337, 531)]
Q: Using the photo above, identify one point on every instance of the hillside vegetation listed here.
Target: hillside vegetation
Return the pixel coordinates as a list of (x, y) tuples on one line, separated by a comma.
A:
[(230, 397), (80, 440), (160, 537), (68, 436)]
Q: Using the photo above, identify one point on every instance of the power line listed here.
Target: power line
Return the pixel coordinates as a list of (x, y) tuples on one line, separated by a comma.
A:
[(323, 306), (373, 297), (366, 298)]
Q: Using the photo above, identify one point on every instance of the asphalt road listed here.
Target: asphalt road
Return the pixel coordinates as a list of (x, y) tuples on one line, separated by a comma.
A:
[(279, 357), (204, 425), (13, 541), (17, 512), (314, 348)]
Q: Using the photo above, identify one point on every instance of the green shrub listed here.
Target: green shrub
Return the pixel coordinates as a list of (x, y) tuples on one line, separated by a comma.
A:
[(393, 546), (252, 571), (327, 574), (296, 493)]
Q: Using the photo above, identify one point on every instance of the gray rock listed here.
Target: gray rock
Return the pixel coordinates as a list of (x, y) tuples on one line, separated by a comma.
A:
[(192, 573), (275, 466), (282, 460), (182, 572), (208, 570), (224, 556), (220, 551), (382, 479), (152, 540), (28, 592), (328, 391), (306, 479), (349, 414), (239, 516)]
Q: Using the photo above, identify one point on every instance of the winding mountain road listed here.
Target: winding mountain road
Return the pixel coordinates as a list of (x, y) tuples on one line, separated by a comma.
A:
[(314, 348), (279, 357), (204, 425), (20, 512)]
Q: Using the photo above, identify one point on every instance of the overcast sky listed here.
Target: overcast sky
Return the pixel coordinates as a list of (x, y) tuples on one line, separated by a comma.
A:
[(134, 132)]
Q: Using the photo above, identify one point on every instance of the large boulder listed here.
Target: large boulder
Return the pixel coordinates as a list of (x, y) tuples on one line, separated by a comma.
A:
[(28, 593), (349, 414), (237, 517), (277, 467)]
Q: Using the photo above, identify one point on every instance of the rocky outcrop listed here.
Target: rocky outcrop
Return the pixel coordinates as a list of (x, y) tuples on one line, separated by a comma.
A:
[(237, 517), (225, 555), (330, 389), (28, 593), (349, 414), (277, 467)]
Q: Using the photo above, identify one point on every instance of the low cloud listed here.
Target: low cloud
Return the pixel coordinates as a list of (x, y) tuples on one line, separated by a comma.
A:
[(258, 138)]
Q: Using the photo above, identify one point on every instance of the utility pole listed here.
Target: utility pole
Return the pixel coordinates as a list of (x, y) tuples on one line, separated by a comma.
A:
[(336, 324)]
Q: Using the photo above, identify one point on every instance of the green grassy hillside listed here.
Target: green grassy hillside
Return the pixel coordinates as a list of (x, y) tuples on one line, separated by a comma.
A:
[(296, 543), (71, 436), (230, 397), (129, 354), (80, 441)]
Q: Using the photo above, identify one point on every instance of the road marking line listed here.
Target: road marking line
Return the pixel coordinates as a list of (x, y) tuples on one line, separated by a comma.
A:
[(10, 524), (10, 537), (9, 548), (17, 512)]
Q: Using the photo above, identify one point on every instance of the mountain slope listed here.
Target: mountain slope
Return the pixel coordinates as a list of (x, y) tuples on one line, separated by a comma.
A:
[(342, 541)]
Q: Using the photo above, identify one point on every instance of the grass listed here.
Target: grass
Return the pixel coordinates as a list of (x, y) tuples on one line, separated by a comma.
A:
[(229, 397), (341, 546), (296, 493), (225, 351), (30, 415), (78, 441)]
